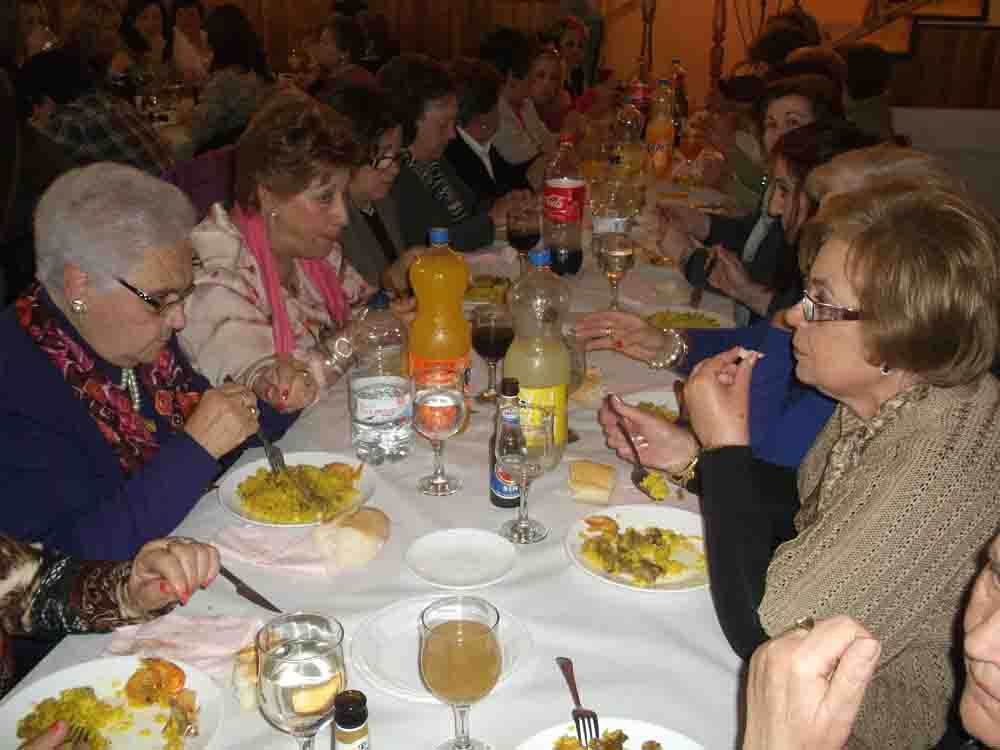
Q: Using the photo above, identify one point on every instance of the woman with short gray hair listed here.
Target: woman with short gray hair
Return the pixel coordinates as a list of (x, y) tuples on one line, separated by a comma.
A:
[(104, 425)]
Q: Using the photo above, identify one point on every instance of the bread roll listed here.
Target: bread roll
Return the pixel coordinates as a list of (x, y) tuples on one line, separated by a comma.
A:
[(591, 482), (245, 677), (353, 541)]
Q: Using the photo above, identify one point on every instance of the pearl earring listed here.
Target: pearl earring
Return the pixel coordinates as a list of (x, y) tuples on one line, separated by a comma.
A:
[(78, 306), (273, 213), (885, 369)]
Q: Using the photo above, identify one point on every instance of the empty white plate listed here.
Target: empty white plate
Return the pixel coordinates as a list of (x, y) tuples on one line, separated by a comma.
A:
[(461, 558)]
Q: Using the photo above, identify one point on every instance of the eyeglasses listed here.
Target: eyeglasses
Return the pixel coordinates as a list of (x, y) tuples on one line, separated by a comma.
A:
[(383, 162), (162, 304), (814, 311)]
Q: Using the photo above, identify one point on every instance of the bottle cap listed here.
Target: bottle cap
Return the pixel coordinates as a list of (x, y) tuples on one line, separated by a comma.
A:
[(567, 136), (509, 387), (379, 302), (439, 235), (541, 256), (350, 709)]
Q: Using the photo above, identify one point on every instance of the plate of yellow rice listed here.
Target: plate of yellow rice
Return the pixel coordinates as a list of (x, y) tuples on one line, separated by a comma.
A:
[(256, 495), (681, 316), (92, 695)]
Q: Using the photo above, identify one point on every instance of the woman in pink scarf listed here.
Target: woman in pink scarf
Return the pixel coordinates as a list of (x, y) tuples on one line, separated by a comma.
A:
[(272, 282)]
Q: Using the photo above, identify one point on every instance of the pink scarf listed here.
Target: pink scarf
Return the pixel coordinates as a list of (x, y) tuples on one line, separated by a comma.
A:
[(320, 272)]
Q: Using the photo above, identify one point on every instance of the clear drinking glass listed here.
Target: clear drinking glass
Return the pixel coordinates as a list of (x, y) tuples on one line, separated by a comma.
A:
[(301, 669), (526, 451), (460, 658), (492, 334), (615, 254), (524, 229), (438, 413)]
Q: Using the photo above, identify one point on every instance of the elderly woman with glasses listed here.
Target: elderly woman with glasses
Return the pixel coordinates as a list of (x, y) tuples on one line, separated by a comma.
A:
[(107, 436), (273, 287), (889, 511)]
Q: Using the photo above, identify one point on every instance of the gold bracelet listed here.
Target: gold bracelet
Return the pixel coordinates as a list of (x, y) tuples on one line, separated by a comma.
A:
[(685, 475)]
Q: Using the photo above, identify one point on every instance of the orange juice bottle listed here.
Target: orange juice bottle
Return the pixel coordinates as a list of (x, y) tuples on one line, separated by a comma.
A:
[(660, 132), (440, 335)]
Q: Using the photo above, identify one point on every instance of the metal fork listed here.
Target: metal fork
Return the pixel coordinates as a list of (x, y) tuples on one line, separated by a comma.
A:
[(79, 735), (587, 728), (277, 461)]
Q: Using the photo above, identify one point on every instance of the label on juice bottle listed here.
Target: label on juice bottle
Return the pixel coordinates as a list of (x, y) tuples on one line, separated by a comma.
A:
[(553, 398), (459, 364), (564, 200)]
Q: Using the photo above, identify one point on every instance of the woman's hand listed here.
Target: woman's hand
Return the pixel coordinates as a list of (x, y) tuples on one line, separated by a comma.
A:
[(52, 739), (717, 397), (223, 419), (397, 276), (730, 277), (629, 334), (405, 309), (661, 444), (170, 570), (806, 686), (690, 221), (286, 385), (675, 244), (504, 205)]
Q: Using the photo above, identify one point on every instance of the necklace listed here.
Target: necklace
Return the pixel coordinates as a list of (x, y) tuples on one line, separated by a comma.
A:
[(131, 382)]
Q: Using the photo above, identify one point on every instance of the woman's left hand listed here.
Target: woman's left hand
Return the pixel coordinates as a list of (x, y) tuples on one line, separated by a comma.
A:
[(662, 444), (287, 385), (405, 309), (730, 277), (169, 570), (717, 397)]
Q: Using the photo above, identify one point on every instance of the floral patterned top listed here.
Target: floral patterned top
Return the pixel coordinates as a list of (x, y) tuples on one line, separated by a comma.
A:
[(49, 594), (228, 332)]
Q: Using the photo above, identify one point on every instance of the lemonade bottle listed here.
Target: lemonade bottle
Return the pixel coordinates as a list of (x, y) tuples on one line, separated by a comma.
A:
[(440, 334)]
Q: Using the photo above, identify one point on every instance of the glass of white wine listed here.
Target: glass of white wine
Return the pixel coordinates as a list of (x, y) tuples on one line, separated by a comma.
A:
[(525, 451), (300, 662), (438, 413), (615, 253), (460, 658)]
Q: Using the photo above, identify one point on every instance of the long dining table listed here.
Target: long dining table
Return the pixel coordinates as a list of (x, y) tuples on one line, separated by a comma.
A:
[(653, 656)]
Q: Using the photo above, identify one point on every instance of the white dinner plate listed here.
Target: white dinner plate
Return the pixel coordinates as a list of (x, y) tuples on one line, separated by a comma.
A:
[(637, 732), (640, 517), (108, 677), (723, 320), (461, 558), (386, 649), (231, 501)]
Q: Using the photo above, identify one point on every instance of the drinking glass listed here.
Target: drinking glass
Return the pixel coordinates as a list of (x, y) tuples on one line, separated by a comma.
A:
[(438, 413), (492, 334), (300, 662), (524, 230), (526, 451), (460, 658), (616, 255)]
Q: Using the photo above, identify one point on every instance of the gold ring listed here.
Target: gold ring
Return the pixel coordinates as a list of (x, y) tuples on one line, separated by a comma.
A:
[(800, 623), (253, 411), (609, 332)]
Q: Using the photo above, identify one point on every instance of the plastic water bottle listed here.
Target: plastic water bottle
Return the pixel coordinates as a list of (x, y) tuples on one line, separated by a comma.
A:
[(381, 393)]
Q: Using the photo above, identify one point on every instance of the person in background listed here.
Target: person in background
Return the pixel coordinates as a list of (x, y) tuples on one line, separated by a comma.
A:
[(888, 513), (570, 37), (147, 33), (472, 155), (273, 287), (380, 46), (192, 55), (103, 423), (550, 99), (866, 99), (46, 594), (336, 48), (239, 80), (589, 13), (521, 135), (34, 34), (782, 34), (427, 191), (372, 240)]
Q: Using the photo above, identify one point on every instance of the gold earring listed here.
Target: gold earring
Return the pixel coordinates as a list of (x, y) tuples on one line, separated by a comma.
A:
[(78, 306)]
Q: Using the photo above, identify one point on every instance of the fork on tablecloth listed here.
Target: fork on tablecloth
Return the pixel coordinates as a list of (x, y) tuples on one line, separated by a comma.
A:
[(585, 720)]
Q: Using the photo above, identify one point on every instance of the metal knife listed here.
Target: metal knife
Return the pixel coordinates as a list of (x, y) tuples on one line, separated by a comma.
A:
[(247, 592)]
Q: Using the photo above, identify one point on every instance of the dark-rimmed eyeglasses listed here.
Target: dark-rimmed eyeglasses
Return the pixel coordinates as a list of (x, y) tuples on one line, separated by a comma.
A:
[(818, 312), (382, 162), (162, 304)]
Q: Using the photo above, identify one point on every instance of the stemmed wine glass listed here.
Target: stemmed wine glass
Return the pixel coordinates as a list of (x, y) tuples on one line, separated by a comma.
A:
[(492, 334), (526, 450), (460, 658), (438, 413), (524, 230), (300, 661), (616, 255)]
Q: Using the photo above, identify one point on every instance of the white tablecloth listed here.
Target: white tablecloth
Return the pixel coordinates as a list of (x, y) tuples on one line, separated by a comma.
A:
[(651, 656)]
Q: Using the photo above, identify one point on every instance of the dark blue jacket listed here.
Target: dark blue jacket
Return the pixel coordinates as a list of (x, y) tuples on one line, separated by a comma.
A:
[(61, 480)]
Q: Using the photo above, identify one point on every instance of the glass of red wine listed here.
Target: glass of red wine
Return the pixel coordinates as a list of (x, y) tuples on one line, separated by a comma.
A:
[(524, 230), (492, 333)]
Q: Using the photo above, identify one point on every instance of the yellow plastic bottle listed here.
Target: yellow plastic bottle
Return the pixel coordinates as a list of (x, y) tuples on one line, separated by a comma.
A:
[(440, 334)]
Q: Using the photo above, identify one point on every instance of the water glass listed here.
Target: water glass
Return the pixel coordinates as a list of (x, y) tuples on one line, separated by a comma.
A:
[(439, 412), (300, 662), (460, 658)]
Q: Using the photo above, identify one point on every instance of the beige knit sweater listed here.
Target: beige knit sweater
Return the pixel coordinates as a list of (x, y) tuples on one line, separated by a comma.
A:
[(895, 513)]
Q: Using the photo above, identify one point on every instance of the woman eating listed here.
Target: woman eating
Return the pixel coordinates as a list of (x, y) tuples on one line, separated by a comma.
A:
[(107, 436), (273, 285), (886, 516)]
